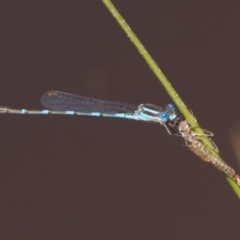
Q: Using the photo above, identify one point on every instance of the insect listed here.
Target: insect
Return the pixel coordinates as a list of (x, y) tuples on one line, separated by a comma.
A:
[(70, 104), (194, 143)]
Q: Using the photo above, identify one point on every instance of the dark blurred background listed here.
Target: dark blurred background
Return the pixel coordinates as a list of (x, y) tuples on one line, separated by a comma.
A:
[(64, 177)]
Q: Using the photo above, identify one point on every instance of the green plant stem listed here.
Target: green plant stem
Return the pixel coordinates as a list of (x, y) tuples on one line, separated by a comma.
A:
[(166, 84)]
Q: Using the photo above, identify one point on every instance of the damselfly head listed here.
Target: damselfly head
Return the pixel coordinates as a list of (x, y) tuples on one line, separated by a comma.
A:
[(170, 108)]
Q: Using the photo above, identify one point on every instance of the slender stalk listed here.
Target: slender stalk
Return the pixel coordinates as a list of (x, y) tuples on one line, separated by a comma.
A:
[(166, 84)]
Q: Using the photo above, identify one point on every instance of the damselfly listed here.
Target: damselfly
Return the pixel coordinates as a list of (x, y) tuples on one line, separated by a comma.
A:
[(70, 104)]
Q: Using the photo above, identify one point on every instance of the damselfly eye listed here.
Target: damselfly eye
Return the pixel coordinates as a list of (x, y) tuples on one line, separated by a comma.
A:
[(171, 107), (164, 116), (172, 111)]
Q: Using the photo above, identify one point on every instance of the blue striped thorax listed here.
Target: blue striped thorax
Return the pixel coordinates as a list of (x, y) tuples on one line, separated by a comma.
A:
[(150, 112)]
